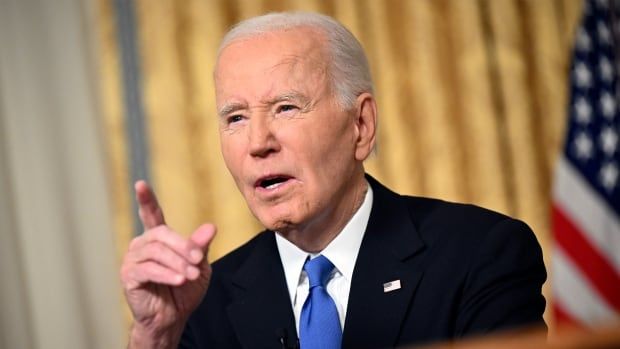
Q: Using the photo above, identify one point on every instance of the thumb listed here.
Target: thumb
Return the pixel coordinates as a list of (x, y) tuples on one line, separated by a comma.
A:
[(202, 237)]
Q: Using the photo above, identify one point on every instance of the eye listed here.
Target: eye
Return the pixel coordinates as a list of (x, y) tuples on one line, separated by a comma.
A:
[(285, 108), (234, 118)]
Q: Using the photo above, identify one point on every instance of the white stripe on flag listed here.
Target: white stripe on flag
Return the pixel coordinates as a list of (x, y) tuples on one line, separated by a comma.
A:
[(588, 211), (575, 296)]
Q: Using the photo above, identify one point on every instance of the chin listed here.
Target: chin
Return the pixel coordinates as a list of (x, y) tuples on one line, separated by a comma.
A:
[(282, 216), (276, 222), (281, 226)]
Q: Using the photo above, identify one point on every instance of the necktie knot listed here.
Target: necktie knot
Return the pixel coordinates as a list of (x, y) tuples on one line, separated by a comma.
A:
[(318, 270)]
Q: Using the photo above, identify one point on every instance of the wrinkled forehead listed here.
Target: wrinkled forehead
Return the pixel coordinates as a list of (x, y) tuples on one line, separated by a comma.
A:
[(300, 47), (255, 66)]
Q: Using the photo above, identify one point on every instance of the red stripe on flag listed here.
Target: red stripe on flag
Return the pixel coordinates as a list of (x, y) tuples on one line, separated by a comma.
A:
[(596, 268), (562, 318)]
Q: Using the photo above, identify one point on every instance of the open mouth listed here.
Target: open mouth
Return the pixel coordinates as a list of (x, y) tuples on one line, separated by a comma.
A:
[(272, 182)]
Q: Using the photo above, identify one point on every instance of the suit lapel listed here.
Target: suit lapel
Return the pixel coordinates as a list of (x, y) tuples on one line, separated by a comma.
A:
[(374, 317), (260, 292)]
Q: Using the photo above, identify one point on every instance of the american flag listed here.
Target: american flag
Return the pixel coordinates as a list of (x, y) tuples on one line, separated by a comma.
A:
[(586, 195)]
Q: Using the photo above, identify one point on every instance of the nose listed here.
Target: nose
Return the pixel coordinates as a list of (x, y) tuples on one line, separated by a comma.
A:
[(262, 140)]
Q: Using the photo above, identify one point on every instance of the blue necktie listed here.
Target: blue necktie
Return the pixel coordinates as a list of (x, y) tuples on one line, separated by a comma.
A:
[(319, 325)]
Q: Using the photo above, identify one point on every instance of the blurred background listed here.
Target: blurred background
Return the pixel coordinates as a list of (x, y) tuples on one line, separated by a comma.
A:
[(473, 107)]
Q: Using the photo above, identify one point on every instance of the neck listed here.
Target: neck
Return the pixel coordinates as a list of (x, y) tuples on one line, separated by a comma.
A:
[(314, 236)]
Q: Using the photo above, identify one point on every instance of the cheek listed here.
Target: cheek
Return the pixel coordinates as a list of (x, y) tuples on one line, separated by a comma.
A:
[(334, 146), (231, 155)]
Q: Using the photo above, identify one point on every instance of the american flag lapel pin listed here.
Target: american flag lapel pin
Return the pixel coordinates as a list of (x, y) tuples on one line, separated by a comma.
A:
[(391, 286)]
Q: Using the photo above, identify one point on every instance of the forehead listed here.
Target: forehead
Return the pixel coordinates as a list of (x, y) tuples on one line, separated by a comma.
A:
[(281, 57), (306, 41)]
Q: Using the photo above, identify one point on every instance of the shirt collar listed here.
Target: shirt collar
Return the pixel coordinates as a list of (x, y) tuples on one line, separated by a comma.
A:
[(342, 251)]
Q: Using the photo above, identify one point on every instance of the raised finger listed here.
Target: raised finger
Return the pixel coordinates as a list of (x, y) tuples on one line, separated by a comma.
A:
[(149, 210)]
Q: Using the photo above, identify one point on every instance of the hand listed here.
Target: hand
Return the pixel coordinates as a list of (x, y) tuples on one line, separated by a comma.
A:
[(164, 276)]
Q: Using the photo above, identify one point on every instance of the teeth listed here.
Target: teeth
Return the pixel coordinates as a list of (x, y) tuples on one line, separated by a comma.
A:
[(274, 185)]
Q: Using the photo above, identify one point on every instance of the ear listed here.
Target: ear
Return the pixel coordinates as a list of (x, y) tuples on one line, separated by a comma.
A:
[(365, 125)]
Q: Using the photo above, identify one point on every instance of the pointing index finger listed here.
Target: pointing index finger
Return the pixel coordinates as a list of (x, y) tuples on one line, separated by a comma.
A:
[(149, 210)]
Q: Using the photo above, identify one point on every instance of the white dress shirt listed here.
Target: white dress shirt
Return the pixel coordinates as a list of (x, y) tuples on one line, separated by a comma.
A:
[(342, 252)]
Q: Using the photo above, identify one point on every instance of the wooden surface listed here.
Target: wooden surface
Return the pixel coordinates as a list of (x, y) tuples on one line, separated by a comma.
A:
[(566, 338)]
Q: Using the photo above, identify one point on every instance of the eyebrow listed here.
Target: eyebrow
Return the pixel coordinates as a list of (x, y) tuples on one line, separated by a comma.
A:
[(231, 107), (287, 96)]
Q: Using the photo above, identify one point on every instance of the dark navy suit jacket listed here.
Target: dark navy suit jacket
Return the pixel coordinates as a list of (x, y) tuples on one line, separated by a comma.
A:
[(463, 270)]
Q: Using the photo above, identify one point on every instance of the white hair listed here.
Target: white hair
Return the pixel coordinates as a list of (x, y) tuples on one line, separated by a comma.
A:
[(348, 66)]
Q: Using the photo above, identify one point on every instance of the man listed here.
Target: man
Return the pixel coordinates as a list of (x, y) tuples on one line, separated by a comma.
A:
[(297, 120)]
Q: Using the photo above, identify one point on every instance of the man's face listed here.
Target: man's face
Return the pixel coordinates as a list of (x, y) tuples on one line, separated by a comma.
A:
[(285, 140)]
